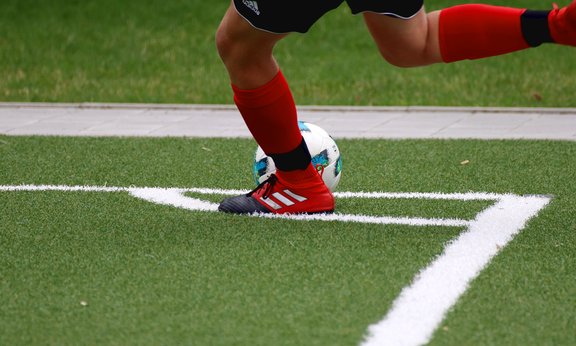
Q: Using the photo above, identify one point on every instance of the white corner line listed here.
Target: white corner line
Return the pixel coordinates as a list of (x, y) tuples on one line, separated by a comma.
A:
[(421, 307), (466, 196), (176, 197)]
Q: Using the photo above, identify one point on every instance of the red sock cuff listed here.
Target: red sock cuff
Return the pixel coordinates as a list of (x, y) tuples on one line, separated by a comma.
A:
[(475, 31), (261, 96), (300, 177), (270, 114)]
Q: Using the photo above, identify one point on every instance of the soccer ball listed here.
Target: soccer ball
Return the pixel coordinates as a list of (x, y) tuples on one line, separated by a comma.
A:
[(323, 149)]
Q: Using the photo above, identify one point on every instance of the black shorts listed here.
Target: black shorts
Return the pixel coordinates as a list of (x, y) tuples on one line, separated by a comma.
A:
[(283, 16)]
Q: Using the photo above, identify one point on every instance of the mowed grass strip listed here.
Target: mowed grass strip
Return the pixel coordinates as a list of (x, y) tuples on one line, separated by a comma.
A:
[(164, 52), (110, 268)]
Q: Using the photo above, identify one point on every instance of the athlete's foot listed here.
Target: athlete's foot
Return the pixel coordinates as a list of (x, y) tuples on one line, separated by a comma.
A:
[(278, 196), (562, 23)]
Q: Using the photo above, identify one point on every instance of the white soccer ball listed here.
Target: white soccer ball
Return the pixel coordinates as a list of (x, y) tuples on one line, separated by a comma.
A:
[(323, 149)]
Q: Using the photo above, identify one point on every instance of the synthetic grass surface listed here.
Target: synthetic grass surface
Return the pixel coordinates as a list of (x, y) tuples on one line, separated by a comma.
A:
[(108, 268)]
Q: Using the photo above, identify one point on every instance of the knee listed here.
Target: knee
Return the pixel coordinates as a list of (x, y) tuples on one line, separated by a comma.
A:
[(247, 58), (237, 48), (401, 57), (224, 44), (409, 53)]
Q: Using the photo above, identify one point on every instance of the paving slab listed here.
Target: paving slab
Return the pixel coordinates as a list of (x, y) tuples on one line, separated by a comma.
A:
[(154, 120)]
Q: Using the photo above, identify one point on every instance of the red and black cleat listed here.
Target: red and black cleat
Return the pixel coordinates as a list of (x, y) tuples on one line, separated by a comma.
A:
[(279, 197)]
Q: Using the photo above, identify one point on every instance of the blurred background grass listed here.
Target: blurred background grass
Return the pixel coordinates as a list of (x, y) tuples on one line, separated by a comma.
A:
[(151, 51)]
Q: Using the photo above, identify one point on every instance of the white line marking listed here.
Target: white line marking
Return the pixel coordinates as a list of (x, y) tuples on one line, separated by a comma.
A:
[(61, 188), (175, 197), (381, 220), (470, 196), (422, 306)]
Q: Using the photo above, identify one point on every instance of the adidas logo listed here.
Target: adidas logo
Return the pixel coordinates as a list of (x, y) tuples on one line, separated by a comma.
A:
[(253, 5), (287, 200)]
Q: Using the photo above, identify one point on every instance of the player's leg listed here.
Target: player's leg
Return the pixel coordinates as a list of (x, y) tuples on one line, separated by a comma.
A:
[(470, 31), (259, 89), (406, 42), (267, 107), (246, 51), (478, 31)]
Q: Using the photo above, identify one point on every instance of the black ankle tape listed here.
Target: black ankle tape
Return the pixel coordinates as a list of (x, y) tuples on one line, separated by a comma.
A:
[(535, 27), (298, 158)]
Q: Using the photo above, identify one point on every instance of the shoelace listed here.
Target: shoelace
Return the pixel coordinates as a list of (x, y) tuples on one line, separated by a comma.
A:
[(268, 184)]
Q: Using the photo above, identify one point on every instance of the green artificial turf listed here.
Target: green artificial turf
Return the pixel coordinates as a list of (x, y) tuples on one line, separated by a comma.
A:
[(107, 268)]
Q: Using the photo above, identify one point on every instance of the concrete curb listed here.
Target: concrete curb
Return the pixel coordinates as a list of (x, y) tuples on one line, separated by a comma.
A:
[(197, 107), (165, 120)]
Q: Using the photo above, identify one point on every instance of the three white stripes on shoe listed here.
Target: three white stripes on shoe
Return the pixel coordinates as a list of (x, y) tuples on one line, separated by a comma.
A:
[(282, 199)]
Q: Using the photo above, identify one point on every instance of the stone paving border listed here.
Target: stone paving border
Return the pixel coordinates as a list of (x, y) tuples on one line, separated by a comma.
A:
[(156, 120)]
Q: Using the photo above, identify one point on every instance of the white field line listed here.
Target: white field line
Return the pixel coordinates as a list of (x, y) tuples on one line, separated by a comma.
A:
[(175, 197), (382, 220), (422, 305), (469, 196), (65, 188)]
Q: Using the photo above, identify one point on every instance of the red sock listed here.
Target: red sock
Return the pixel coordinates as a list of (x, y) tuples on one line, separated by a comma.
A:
[(477, 31), (270, 114)]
